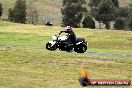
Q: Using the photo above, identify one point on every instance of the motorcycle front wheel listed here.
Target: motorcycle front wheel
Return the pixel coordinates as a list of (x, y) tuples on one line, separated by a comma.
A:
[(50, 47)]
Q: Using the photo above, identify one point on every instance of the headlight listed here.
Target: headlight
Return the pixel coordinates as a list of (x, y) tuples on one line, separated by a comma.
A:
[(54, 37)]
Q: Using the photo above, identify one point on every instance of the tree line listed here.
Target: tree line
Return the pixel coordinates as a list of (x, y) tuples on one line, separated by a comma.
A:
[(76, 13)]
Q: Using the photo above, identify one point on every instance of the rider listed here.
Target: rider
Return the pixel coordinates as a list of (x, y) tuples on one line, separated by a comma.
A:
[(71, 35)]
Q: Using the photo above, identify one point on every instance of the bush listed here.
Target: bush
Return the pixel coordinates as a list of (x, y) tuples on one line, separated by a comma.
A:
[(130, 23), (1, 10), (88, 22), (10, 15), (119, 24)]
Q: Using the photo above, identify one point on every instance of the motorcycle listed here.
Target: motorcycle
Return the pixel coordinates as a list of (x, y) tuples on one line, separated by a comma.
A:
[(61, 43)]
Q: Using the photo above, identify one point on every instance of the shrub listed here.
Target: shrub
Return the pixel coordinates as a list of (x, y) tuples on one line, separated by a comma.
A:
[(88, 22), (10, 15), (119, 24), (130, 23), (1, 10)]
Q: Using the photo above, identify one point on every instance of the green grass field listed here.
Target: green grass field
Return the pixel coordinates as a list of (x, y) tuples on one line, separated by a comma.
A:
[(25, 63)]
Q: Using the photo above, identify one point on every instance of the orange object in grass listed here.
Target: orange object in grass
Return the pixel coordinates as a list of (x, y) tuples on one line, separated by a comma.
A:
[(85, 73)]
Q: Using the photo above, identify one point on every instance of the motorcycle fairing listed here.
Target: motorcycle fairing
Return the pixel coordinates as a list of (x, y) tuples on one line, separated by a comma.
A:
[(52, 42)]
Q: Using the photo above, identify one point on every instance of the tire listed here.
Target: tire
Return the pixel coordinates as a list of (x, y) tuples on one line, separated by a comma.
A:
[(50, 47), (81, 48)]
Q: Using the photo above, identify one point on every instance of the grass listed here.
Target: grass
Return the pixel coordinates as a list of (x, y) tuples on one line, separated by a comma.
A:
[(25, 63), (101, 41), (42, 69)]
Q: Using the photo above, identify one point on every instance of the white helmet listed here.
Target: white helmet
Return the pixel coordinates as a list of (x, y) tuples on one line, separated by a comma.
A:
[(68, 28)]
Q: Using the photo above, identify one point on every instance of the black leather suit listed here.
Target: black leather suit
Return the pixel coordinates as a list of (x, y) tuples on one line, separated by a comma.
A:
[(71, 37)]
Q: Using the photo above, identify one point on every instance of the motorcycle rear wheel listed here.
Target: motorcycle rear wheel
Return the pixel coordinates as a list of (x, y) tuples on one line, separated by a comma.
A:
[(81, 48)]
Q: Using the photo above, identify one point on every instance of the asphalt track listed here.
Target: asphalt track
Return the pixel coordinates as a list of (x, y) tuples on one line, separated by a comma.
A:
[(23, 47)]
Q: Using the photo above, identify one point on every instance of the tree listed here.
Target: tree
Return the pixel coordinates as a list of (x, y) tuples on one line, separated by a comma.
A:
[(93, 6), (11, 15), (18, 13), (106, 13), (72, 12), (129, 20), (119, 24), (1, 10), (88, 22), (123, 12), (130, 9), (32, 13), (116, 3), (130, 23), (67, 2), (94, 3)]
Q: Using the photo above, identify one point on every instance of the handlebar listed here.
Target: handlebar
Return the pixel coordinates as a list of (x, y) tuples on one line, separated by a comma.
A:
[(62, 32)]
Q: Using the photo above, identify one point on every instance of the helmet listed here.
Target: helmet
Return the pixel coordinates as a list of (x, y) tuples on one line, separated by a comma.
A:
[(68, 28)]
